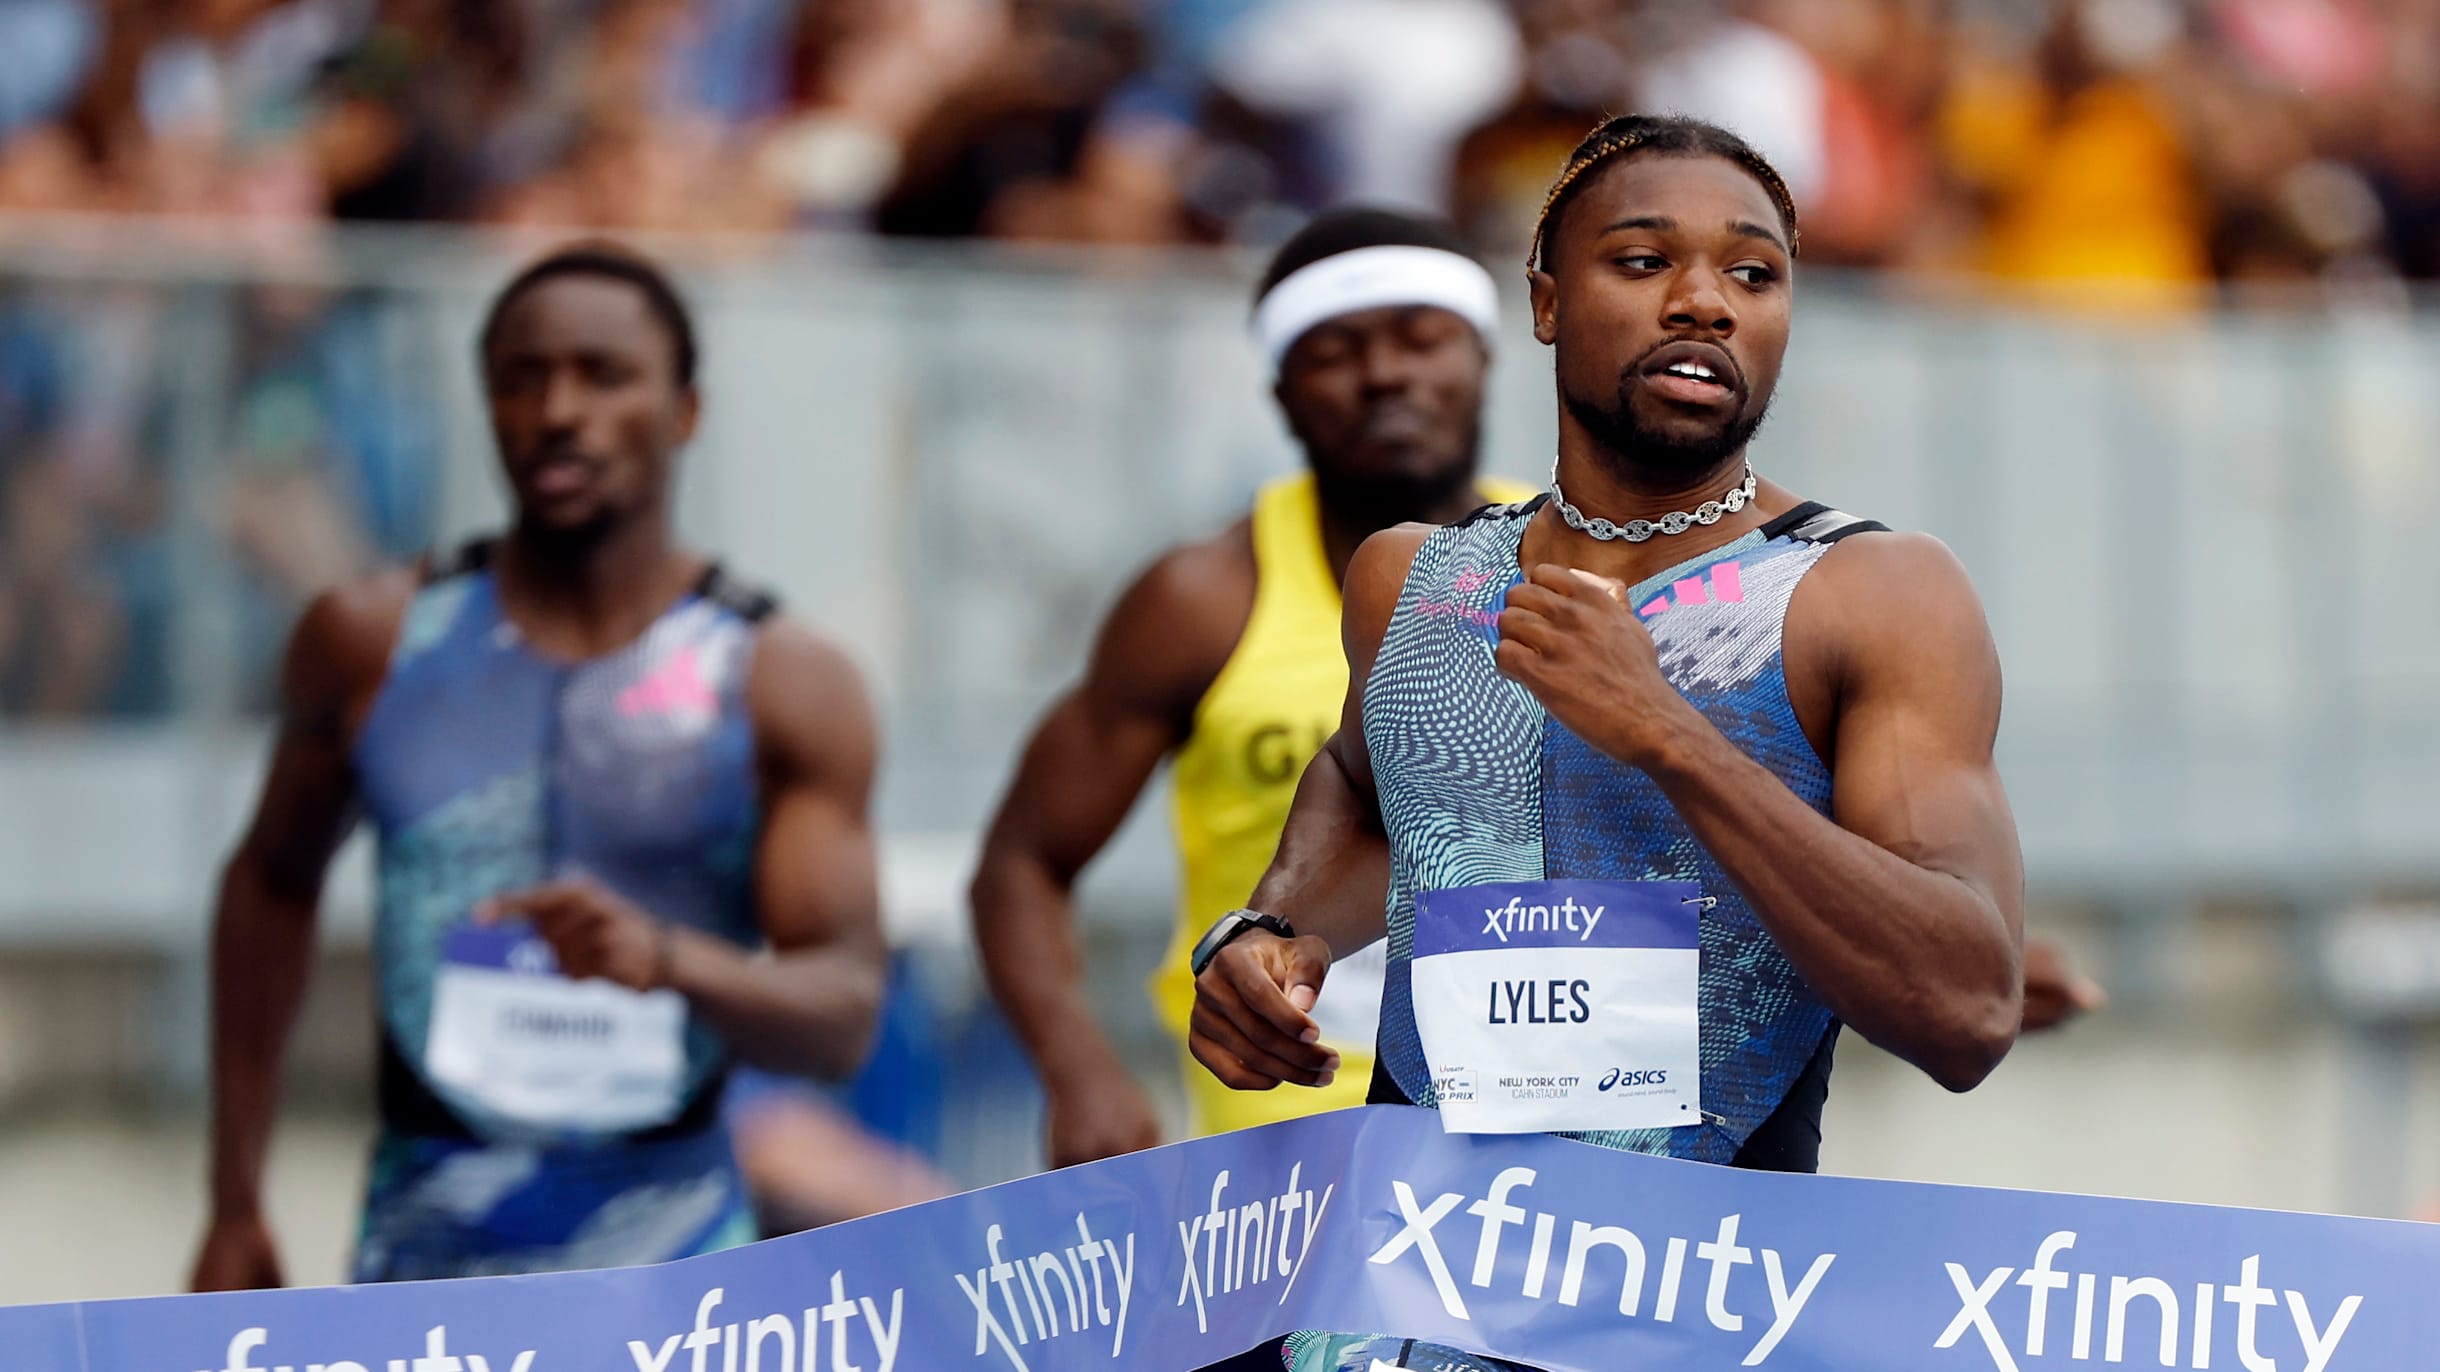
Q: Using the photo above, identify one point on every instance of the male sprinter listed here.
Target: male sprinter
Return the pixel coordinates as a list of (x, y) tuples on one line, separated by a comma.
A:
[(605, 778), (1225, 654), (1667, 693)]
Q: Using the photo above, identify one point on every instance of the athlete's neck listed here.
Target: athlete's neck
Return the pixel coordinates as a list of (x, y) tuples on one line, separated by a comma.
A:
[(582, 594), (1351, 515), (1613, 487)]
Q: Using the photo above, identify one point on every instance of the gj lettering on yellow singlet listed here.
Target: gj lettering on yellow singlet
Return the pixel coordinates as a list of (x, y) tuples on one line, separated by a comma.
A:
[(1267, 714)]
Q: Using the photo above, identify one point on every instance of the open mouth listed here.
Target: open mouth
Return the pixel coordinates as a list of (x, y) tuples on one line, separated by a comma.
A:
[(1692, 374)]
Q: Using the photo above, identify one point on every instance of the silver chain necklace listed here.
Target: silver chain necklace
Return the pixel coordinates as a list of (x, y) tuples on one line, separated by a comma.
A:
[(1638, 530)]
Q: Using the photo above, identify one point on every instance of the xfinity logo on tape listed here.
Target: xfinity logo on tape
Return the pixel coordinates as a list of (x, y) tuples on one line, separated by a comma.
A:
[(436, 1357), (1613, 1248), (1088, 1299), (2140, 1309), (1516, 917), (857, 1332), (1263, 1241)]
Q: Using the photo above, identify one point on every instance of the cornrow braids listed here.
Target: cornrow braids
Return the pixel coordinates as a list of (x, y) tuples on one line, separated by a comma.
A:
[(1673, 134)]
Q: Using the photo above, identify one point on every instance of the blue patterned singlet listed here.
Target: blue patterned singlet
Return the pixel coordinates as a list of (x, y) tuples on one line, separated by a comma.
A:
[(486, 767), (1478, 784)]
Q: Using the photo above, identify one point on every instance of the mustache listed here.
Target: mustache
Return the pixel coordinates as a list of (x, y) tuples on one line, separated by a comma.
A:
[(1720, 357), (557, 452)]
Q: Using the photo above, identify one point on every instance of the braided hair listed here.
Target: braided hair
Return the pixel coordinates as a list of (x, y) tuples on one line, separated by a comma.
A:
[(1674, 135)]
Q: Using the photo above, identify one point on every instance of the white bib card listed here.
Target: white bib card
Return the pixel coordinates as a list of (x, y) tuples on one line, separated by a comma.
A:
[(512, 1036), (1561, 1006)]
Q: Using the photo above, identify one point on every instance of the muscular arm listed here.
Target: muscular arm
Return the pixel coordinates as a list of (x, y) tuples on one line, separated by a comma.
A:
[(1252, 1028), (1162, 647), (1903, 909), (811, 1005), (270, 897)]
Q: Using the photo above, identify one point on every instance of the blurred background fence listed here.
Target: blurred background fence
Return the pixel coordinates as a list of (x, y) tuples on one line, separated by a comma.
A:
[(2202, 537)]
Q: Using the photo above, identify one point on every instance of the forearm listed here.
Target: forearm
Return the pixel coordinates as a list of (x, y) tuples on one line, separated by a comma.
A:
[(1025, 926), (1917, 960), (1330, 875), (810, 1012), (262, 952)]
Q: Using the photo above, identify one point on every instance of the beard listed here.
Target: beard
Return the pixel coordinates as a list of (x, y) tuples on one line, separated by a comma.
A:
[(1636, 452), (1380, 500), (566, 541)]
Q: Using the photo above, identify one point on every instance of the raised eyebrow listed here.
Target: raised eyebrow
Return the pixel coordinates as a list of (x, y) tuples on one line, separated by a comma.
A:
[(1657, 223)]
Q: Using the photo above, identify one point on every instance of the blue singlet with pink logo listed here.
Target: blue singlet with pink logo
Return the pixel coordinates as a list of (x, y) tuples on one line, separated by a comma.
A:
[(486, 767)]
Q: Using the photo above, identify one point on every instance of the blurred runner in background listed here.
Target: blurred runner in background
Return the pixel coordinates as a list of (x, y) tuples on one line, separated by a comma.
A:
[(1224, 657), (606, 778)]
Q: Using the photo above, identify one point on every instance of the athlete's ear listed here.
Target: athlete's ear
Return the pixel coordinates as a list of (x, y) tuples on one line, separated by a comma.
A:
[(690, 413), (1543, 289)]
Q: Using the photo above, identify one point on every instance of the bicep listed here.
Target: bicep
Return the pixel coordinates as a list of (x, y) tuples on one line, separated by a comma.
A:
[(817, 879), (1164, 644), (817, 874), (1376, 577), (308, 804), (309, 801), (1080, 775), (1918, 718)]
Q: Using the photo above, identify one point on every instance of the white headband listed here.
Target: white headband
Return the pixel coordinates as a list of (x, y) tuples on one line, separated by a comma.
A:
[(1369, 278)]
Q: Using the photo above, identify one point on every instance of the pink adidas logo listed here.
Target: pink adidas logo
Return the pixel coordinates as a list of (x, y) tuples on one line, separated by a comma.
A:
[(676, 687), (1726, 586)]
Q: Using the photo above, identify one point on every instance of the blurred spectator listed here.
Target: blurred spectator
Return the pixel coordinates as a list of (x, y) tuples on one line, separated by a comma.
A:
[(863, 76), (59, 627), (1748, 76), (49, 45), (1389, 88), (1017, 145), (410, 114), (330, 457), (2077, 158), (1575, 69), (2041, 141), (81, 529)]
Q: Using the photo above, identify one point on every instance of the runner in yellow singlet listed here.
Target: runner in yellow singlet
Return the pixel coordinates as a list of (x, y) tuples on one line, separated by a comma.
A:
[(1225, 658), (1255, 729)]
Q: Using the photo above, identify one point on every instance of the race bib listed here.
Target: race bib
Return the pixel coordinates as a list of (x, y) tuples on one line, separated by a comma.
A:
[(1549, 1006), (513, 1037)]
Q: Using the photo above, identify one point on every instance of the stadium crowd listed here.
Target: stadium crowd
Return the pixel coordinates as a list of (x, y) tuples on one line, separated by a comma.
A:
[(2165, 140), (2147, 149)]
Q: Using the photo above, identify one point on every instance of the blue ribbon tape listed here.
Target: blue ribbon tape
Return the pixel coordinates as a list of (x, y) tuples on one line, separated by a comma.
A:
[(1553, 1253)]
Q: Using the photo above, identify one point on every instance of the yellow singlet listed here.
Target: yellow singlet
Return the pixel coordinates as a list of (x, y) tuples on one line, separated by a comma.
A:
[(1267, 714)]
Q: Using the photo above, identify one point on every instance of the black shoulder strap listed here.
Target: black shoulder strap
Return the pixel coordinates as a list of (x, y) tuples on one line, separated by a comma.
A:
[(1814, 522), (1484, 512), (471, 556), (748, 602)]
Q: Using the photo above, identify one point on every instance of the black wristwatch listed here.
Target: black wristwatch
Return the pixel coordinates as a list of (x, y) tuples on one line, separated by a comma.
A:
[(1232, 924)]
